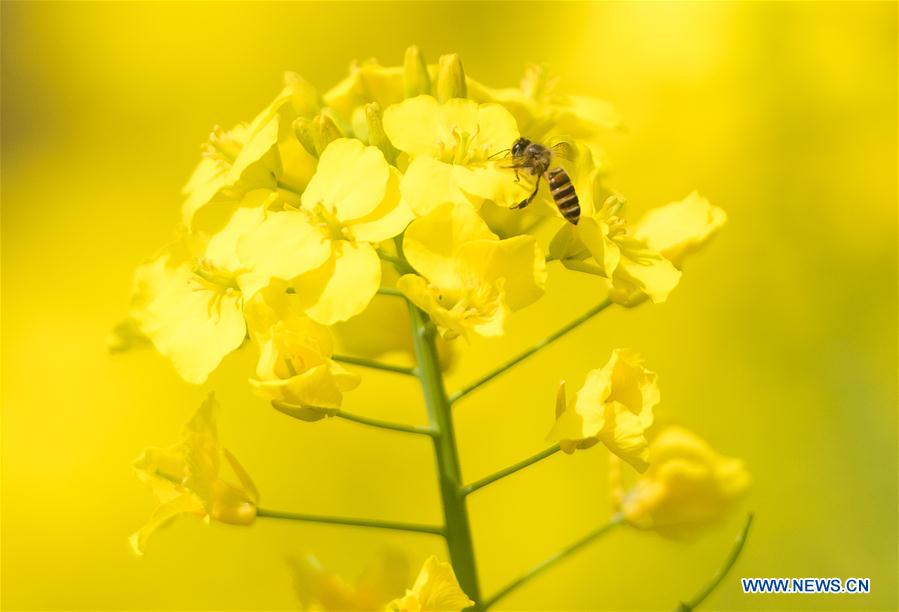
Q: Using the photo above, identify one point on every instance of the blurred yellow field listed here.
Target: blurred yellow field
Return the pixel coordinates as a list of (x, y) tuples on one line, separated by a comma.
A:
[(777, 343)]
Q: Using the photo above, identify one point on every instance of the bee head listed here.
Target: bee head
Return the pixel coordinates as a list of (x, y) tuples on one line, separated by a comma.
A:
[(519, 146)]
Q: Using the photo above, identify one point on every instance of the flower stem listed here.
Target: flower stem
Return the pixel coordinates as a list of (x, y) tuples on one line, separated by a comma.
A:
[(399, 262), (356, 418), (335, 520), (722, 571), (375, 365), (455, 513), (534, 349), (391, 291), (549, 562), (483, 482)]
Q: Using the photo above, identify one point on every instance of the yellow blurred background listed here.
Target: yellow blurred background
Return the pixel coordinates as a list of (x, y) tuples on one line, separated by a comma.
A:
[(779, 346)]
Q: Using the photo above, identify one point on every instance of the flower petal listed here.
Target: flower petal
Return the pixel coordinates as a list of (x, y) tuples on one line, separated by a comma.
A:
[(497, 129), (389, 219), (518, 262), (184, 504), (430, 243), (606, 253), (284, 245), (491, 182), (191, 322), (343, 286), (680, 228), (644, 270), (416, 126), (350, 180), (429, 183), (315, 387)]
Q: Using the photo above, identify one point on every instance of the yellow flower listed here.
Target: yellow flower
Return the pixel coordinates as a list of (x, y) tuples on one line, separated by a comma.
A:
[(189, 299), (262, 154), (320, 589), (687, 486), (680, 228), (352, 201), (674, 231), (470, 279), (382, 331), (435, 590), (367, 82), (449, 145), (196, 477), (613, 407), (295, 370), (602, 245), (542, 111)]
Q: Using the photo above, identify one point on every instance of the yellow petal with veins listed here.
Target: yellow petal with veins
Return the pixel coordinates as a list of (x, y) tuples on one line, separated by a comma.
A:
[(389, 219), (350, 181), (343, 286), (429, 183), (430, 243)]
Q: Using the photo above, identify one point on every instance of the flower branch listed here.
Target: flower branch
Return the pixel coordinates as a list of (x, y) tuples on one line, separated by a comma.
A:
[(552, 560), (483, 482), (307, 413), (375, 365), (354, 522), (363, 420), (722, 571), (533, 350)]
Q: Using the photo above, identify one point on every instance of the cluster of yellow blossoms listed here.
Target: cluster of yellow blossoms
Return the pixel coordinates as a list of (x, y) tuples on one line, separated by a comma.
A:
[(393, 182)]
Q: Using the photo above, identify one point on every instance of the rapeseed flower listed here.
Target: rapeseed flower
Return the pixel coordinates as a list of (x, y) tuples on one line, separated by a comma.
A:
[(320, 589), (448, 146), (674, 231), (677, 229), (295, 370), (468, 279), (435, 590), (543, 111), (351, 202), (687, 486), (261, 154), (197, 476), (614, 406), (604, 245)]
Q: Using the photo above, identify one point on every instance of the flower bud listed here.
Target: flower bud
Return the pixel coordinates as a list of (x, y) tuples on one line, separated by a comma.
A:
[(376, 135), (317, 133), (304, 413), (302, 127), (304, 98), (451, 78), (416, 79)]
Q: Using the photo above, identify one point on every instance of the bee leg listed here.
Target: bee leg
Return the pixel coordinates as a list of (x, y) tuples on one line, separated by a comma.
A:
[(530, 199)]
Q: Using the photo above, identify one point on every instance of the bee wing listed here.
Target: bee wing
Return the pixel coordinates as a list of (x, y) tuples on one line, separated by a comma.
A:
[(564, 150)]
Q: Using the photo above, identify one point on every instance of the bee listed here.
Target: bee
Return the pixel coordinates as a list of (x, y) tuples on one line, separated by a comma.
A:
[(536, 159)]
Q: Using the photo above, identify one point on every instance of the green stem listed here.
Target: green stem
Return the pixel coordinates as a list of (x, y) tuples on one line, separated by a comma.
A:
[(288, 187), (455, 513), (334, 520), (391, 291), (483, 482), (534, 349), (375, 365), (399, 262), (547, 563), (356, 418), (722, 571)]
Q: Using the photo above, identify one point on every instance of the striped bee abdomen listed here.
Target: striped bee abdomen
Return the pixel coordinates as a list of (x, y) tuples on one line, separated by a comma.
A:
[(563, 194)]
